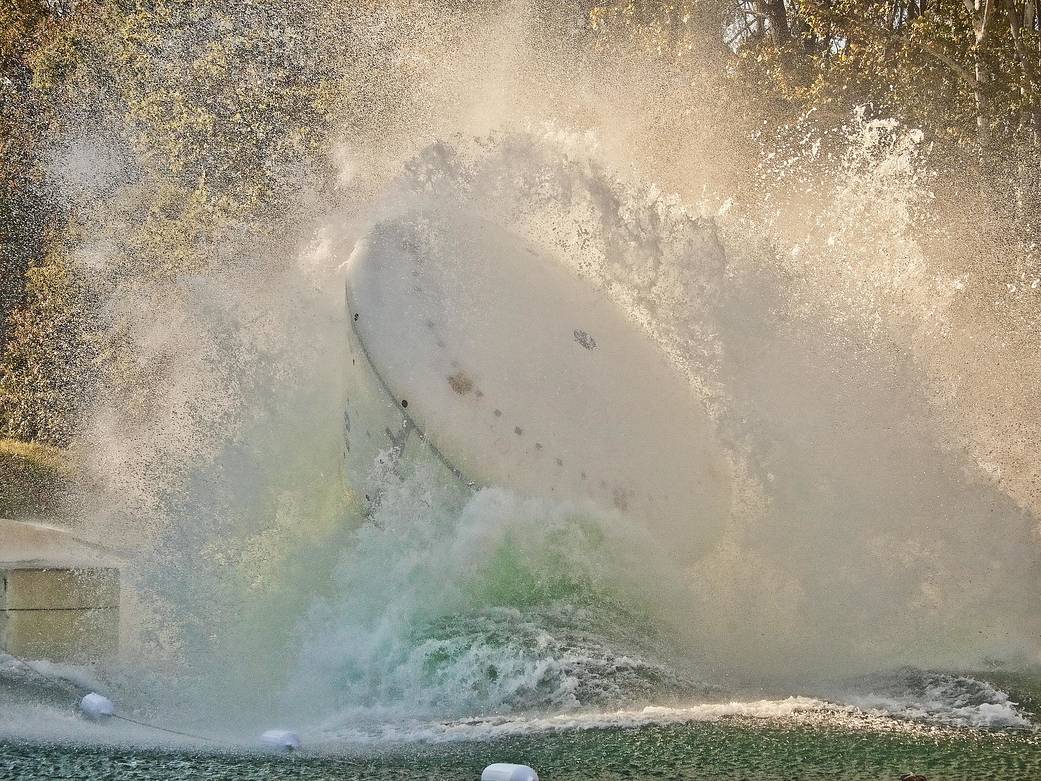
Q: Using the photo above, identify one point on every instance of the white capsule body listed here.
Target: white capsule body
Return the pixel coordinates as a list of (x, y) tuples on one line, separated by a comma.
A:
[(505, 771), (468, 339), (96, 708), (281, 739)]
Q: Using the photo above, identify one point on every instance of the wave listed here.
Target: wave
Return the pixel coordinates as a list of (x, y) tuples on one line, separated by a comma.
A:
[(833, 561), (937, 698), (850, 527), (855, 713)]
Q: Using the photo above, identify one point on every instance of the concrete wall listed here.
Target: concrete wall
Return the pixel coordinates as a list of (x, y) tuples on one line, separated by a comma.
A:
[(59, 599)]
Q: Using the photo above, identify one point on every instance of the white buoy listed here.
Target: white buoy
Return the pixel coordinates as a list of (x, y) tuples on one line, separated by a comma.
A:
[(505, 771), (96, 708), (281, 739)]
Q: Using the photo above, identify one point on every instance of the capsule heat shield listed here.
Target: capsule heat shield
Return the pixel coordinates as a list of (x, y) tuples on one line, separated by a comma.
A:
[(518, 373)]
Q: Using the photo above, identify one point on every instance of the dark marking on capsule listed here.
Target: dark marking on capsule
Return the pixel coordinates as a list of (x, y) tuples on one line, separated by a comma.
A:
[(461, 383), (518, 430), (585, 339), (498, 413), (356, 317), (560, 462), (404, 403), (620, 499)]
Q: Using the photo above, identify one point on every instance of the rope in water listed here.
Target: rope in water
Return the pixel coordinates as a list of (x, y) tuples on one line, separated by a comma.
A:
[(81, 691)]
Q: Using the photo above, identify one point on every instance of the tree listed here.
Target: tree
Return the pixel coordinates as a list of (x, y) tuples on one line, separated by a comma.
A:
[(216, 113), (49, 365)]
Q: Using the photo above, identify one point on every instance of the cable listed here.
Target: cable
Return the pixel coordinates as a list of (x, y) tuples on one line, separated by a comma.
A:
[(81, 690), (170, 731)]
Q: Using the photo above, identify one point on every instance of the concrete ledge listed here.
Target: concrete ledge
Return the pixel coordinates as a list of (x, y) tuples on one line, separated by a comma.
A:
[(23, 542), (61, 635), (51, 587)]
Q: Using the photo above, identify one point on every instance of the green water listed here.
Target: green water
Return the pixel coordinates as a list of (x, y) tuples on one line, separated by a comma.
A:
[(730, 749)]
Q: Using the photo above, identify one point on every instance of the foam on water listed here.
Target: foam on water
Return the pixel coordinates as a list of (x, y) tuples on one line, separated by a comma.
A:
[(503, 603), (920, 703), (493, 728), (936, 698), (795, 711)]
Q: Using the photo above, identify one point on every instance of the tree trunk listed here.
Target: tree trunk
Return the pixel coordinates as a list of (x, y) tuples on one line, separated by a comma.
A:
[(777, 15), (980, 12), (1028, 138)]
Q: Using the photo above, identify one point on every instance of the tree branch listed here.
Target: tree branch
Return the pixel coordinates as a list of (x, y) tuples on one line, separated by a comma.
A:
[(867, 28)]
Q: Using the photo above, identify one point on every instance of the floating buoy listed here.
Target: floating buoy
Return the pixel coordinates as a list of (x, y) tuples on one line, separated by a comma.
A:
[(504, 771), (281, 739), (96, 708)]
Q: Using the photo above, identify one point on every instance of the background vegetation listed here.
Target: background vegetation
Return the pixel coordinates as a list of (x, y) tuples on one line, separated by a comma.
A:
[(201, 114), (217, 115), (34, 479)]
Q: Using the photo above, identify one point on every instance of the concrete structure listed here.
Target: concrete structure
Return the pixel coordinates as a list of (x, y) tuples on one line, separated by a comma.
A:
[(59, 596)]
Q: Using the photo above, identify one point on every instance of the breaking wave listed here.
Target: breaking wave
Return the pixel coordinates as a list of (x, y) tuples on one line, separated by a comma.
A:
[(835, 560), (859, 535)]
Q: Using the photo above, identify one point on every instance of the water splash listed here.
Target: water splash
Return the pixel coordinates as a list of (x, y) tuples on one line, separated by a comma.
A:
[(857, 538), (886, 502), (501, 604)]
